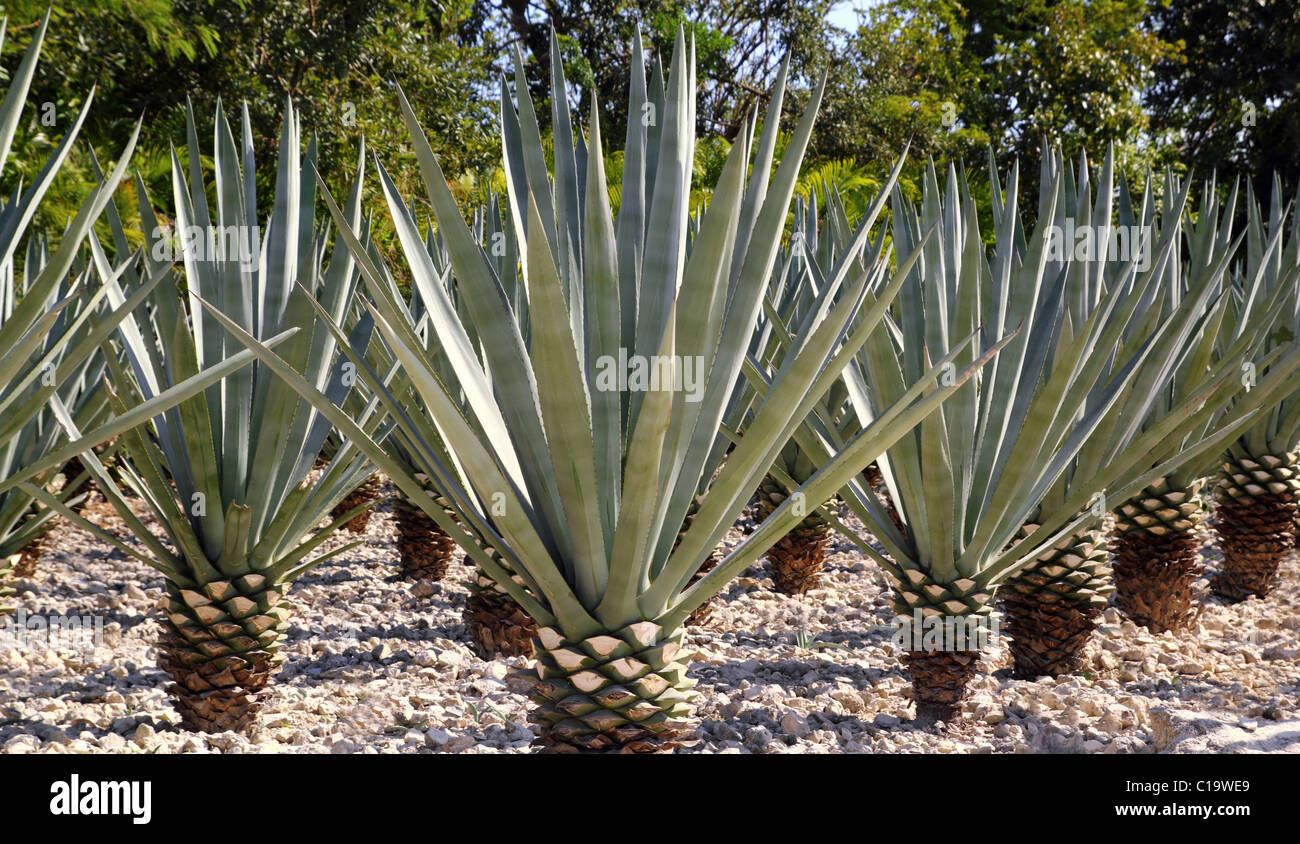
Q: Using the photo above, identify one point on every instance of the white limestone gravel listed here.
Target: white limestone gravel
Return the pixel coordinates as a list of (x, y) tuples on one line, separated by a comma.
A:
[(374, 664)]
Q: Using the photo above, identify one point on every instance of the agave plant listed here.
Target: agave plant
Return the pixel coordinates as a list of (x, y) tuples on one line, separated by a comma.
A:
[(589, 484), (1053, 605), (80, 391), (227, 473), (974, 483), (1157, 531), (796, 560), (495, 622), (52, 323), (1259, 482)]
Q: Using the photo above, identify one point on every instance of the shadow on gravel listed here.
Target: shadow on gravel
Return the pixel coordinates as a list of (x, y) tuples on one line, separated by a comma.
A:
[(147, 676), (790, 674)]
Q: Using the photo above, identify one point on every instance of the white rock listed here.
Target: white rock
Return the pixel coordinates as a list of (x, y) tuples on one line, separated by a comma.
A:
[(143, 735), (113, 743), (20, 744), (794, 725), (850, 700), (1182, 731)]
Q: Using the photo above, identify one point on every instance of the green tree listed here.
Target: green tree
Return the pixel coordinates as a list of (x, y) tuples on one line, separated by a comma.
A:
[(1072, 71), (1231, 97), (337, 60), (898, 78), (105, 45), (739, 45)]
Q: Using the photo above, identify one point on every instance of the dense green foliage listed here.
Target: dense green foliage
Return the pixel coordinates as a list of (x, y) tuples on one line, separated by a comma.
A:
[(1165, 81), (1229, 95)]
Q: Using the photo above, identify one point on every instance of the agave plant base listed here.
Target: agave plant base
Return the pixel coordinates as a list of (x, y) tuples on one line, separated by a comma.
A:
[(364, 494), (1051, 608), (215, 695), (944, 628), (1257, 508), (1256, 538), (1156, 555), (1047, 640), (496, 624), (797, 558), (624, 691), (1153, 580), (939, 680), (424, 548), (219, 648)]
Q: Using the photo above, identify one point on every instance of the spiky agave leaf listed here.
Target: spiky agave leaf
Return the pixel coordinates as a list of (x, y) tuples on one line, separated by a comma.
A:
[(590, 484), (796, 560), (494, 620)]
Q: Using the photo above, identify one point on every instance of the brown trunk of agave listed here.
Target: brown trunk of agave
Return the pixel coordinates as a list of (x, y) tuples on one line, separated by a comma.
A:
[(876, 480), (939, 680), (620, 692), (1257, 508), (424, 548), (496, 624), (797, 558), (1156, 555), (369, 491), (219, 646), (1051, 608), (943, 654)]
